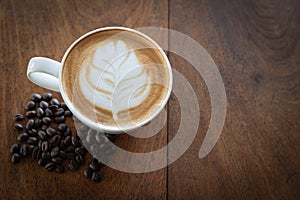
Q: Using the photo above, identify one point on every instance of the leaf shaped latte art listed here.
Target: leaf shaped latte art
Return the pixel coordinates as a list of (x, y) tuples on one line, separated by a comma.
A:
[(114, 79)]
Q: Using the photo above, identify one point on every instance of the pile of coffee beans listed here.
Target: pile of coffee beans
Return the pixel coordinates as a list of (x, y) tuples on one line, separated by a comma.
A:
[(44, 135)]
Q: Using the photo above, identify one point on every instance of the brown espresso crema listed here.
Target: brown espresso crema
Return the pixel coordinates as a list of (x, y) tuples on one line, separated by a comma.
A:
[(115, 78)]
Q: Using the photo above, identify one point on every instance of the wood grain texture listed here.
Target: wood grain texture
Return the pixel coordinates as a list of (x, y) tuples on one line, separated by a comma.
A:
[(46, 28), (255, 45)]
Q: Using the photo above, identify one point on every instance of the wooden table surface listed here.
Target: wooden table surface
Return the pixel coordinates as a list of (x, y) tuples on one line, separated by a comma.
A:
[(254, 43)]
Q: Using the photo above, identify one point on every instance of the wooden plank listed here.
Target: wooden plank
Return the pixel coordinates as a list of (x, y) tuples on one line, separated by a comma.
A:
[(255, 45), (47, 28)]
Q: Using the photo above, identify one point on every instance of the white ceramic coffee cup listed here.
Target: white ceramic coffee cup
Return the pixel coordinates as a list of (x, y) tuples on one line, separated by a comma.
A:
[(47, 73)]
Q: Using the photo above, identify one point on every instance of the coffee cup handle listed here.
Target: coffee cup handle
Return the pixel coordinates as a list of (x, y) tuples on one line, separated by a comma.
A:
[(44, 72)]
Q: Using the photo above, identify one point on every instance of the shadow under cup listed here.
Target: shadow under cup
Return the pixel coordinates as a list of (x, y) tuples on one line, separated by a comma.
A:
[(116, 80)]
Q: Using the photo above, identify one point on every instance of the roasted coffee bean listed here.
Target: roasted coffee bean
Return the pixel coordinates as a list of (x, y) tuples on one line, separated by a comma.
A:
[(55, 151), (40, 144), (30, 114), (59, 133), (19, 117), (40, 113), (75, 141), (24, 150), (70, 149), (64, 106), (68, 113), (60, 169), (50, 166), (48, 112), (46, 120), (80, 151), (59, 119), (32, 132), (46, 155), (30, 148), (57, 160), (94, 166), (44, 104), (42, 162), (30, 105), (80, 159), (42, 135), (15, 148), (44, 127), (62, 127), (88, 172), (97, 176), (55, 141), (45, 146), (38, 123), (15, 158), (67, 140), (18, 127), (68, 132), (54, 102), (22, 137), (32, 140), (29, 125), (53, 107), (51, 131), (62, 144), (62, 154), (47, 96), (73, 165), (36, 97), (59, 112), (70, 156), (35, 153)]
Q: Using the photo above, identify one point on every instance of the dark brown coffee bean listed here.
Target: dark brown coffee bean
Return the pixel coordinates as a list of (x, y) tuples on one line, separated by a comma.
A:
[(42, 162), (35, 153), (38, 123), (50, 166), (29, 125), (51, 131), (55, 141), (18, 127), (88, 172), (75, 141), (80, 151), (19, 117), (30, 148), (32, 132), (55, 151), (15, 148), (60, 169), (40, 144), (22, 137), (68, 132), (62, 127), (64, 106), (80, 159), (53, 107), (44, 127), (15, 158), (62, 144), (67, 140), (47, 96), (73, 165), (44, 104), (40, 113), (57, 160), (46, 120), (46, 155), (24, 150), (36, 97), (32, 140), (70, 149), (54, 102), (59, 133), (59, 112), (30, 105), (42, 135), (30, 114), (59, 119), (62, 154), (45, 146), (48, 112), (67, 113), (97, 176), (94, 166), (70, 156)]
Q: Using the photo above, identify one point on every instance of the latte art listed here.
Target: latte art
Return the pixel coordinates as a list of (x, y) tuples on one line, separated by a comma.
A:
[(117, 79)]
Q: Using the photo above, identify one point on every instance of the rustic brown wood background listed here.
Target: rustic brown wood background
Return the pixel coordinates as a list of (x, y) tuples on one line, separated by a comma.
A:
[(255, 44)]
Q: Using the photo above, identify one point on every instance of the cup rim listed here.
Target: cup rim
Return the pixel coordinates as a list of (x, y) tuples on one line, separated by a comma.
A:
[(96, 125)]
